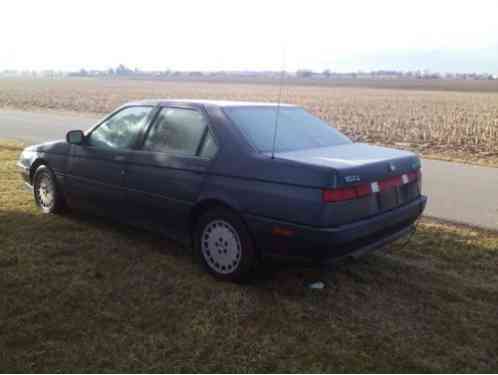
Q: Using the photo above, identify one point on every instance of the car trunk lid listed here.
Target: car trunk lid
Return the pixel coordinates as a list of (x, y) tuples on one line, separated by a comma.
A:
[(368, 180), (357, 162)]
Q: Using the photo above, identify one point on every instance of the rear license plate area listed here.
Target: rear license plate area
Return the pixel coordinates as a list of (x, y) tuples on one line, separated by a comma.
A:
[(388, 199)]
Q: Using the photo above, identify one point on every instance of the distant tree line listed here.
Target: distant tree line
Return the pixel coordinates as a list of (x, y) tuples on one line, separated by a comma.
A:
[(305, 74)]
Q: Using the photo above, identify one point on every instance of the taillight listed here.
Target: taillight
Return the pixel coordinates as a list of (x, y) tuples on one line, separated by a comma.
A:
[(413, 176), (346, 194), (363, 190), (390, 183), (358, 191), (338, 195)]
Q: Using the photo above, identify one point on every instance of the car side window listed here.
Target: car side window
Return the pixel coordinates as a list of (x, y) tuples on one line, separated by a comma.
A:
[(209, 147), (121, 130), (176, 130)]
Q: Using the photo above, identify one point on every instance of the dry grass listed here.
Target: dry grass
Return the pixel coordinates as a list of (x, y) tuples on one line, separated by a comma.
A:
[(449, 125), (79, 294)]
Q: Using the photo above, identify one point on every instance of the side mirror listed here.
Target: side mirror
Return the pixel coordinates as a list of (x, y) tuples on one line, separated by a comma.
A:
[(75, 137)]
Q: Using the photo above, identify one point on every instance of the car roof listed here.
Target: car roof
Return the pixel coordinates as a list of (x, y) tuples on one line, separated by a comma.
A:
[(211, 103)]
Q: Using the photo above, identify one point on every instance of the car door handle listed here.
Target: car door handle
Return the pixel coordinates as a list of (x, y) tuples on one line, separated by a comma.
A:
[(119, 158)]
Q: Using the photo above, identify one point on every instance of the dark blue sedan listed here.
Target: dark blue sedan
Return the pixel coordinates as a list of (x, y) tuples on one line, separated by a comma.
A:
[(238, 181)]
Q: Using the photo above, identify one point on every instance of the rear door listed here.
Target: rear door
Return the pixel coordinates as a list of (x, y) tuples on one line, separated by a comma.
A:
[(96, 169), (165, 175)]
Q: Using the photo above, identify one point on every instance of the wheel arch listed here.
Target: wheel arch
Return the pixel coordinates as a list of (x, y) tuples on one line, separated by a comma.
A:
[(205, 205), (34, 167)]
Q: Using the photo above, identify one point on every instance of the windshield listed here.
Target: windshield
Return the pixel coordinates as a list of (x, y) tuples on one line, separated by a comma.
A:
[(297, 129)]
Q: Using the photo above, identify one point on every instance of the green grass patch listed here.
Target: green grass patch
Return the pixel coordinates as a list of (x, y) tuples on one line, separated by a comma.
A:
[(80, 294)]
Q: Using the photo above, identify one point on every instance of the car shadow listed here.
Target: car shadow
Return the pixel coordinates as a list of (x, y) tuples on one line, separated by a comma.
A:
[(20, 225), (25, 226)]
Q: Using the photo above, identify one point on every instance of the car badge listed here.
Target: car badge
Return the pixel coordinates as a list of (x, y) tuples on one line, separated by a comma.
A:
[(352, 178), (391, 167)]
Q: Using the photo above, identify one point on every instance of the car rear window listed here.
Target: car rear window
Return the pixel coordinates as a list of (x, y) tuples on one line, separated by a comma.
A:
[(297, 129)]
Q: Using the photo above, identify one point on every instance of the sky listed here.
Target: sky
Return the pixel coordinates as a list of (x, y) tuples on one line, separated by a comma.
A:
[(437, 35)]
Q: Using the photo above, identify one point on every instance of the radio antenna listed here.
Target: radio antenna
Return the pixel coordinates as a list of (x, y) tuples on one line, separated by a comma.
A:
[(277, 110)]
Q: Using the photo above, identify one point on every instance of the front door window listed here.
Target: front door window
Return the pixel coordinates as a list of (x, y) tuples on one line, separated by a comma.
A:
[(120, 131)]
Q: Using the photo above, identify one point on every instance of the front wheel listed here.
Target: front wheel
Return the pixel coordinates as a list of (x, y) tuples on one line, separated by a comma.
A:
[(47, 195), (224, 245)]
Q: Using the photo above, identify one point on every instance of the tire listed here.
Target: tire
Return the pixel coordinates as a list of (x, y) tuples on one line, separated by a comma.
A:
[(48, 196), (224, 246)]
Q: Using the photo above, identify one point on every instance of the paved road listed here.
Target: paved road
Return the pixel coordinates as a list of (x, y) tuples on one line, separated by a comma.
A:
[(37, 127), (457, 192)]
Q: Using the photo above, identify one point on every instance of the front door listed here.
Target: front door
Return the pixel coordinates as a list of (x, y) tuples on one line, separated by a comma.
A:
[(96, 169)]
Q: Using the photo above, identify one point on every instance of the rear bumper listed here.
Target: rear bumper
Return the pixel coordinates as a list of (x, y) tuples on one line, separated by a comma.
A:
[(354, 239)]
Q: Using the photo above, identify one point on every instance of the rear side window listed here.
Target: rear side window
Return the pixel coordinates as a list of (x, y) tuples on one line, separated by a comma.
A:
[(120, 131), (209, 148), (176, 130)]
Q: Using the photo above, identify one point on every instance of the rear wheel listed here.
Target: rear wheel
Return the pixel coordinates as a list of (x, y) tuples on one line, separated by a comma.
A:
[(224, 245), (47, 196)]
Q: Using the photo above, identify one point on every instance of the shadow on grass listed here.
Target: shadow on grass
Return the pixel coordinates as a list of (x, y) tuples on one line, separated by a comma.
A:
[(25, 226), (17, 221), (304, 271)]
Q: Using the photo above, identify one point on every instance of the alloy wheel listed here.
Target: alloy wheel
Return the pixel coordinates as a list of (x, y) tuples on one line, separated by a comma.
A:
[(221, 247)]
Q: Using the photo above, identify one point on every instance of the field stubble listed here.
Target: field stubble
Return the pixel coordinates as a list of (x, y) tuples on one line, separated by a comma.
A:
[(460, 126)]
